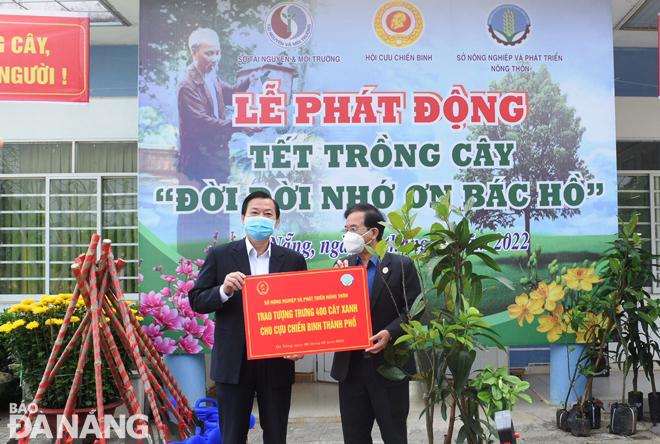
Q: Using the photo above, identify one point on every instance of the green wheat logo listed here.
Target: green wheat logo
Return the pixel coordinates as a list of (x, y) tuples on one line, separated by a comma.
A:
[(509, 26)]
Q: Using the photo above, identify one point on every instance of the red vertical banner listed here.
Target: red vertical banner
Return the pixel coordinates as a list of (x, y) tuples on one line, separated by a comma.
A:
[(44, 58)]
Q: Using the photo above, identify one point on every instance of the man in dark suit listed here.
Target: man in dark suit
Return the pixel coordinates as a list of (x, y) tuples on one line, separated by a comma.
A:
[(365, 395), (218, 289)]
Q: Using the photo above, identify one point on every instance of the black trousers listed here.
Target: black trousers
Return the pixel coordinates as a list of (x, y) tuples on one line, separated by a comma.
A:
[(362, 399), (235, 404)]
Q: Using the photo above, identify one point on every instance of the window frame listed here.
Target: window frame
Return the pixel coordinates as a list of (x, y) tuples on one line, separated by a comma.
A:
[(651, 174), (47, 178)]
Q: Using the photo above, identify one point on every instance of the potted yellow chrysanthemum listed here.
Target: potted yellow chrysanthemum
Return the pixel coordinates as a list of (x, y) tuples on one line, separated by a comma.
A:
[(30, 333)]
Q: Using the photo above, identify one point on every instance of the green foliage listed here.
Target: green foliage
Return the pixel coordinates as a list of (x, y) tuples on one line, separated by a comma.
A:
[(619, 301), (447, 326), (499, 390), (10, 393), (628, 271)]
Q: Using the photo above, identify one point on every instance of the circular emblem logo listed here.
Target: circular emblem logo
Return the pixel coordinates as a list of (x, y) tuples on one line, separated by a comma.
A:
[(289, 25), (262, 288), (346, 280), (509, 25), (398, 24)]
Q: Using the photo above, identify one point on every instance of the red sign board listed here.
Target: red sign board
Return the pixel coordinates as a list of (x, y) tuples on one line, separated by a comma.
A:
[(44, 58), (306, 312)]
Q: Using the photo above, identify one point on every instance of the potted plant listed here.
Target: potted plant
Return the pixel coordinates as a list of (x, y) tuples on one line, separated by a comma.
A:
[(30, 331), (579, 423), (629, 352), (637, 326), (654, 396), (567, 308), (444, 342), (626, 271)]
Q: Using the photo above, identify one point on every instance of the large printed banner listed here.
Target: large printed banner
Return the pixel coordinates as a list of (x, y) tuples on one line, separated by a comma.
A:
[(325, 103), (306, 312), (44, 58)]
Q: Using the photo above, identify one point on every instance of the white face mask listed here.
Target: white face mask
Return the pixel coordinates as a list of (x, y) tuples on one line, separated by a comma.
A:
[(353, 242)]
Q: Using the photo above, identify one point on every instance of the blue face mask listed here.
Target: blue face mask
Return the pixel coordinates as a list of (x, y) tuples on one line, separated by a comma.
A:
[(259, 228)]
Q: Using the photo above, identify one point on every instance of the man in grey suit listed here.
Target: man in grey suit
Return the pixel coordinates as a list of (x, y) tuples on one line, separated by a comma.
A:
[(218, 289), (365, 395)]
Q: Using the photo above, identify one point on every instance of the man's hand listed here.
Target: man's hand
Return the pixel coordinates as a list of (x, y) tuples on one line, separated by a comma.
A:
[(233, 282), (381, 339), (341, 264), (254, 76), (294, 357)]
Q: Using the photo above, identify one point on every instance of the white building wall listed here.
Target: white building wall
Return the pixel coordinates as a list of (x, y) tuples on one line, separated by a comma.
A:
[(637, 118), (104, 118)]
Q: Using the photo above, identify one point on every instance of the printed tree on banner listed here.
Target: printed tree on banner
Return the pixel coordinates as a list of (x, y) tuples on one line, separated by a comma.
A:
[(547, 144)]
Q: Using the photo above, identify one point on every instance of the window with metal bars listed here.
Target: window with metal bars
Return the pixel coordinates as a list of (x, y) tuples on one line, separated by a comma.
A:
[(638, 167), (53, 197)]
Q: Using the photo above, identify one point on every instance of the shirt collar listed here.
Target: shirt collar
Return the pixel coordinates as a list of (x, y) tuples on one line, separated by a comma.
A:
[(206, 77), (251, 249), (372, 259)]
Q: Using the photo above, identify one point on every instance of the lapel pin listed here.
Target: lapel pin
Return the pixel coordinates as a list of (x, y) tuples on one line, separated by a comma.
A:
[(385, 270)]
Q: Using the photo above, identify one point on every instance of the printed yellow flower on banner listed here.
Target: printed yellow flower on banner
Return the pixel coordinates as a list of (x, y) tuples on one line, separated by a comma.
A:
[(548, 294), (552, 324), (580, 278), (525, 309)]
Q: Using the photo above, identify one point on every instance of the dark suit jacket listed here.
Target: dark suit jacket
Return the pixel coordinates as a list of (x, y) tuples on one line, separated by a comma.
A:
[(204, 138), (395, 282), (229, 339)]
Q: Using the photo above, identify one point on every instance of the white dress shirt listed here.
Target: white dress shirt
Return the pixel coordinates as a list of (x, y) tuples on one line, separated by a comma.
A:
[(258, 265)]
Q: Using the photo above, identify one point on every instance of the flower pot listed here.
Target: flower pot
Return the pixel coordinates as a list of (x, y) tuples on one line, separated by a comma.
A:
[(570, 417), (82, 413), (592, 412), (623, 420), (562, 419), (636, 400), (581, 427), (654, 407)]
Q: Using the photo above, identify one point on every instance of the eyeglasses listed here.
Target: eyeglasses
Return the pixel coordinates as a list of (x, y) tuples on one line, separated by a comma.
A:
[(352, 230)]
